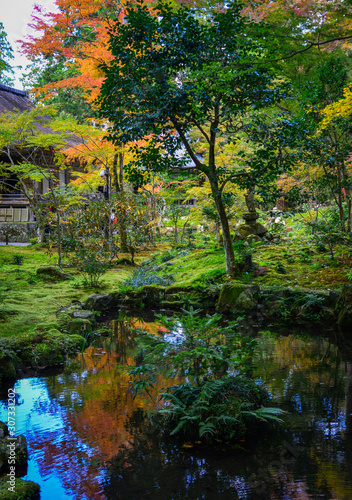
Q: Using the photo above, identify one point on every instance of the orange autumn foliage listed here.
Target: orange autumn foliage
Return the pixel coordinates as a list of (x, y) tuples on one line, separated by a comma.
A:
[(79, 32)]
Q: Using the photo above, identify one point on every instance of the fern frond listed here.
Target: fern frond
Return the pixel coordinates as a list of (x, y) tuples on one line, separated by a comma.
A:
[(267, 414)]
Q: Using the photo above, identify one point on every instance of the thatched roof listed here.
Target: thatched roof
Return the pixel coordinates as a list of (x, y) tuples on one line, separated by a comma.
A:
[(13, 99), (18, 100)]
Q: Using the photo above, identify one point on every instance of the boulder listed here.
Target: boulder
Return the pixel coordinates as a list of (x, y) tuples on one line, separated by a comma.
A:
[(84, 315), (8, 363), (10, 448), (153, 295), (52, 272), (343, 308), (22, 490), (100, 302), (244, 230), (75, 325), (4, 431), (133, 298), (238, 296)]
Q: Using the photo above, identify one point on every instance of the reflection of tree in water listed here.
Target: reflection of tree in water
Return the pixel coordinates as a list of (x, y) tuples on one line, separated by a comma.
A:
[(95, 402), (160, 470), (309, 378)]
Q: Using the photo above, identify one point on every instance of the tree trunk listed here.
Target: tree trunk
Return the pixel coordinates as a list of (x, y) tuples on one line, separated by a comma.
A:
[(118, 185), (176, 233), (123, 236), (340, 200), (59, 263), (118, 175), (121, 158), (231, 266)]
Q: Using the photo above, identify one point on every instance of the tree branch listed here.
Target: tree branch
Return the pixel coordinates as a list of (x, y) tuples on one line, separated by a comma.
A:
[(187, 145), (311, 44)]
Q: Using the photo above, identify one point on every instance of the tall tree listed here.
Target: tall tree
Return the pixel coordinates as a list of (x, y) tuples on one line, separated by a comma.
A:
[(67, 48), (326, 143), (6, 54), (176, 71)]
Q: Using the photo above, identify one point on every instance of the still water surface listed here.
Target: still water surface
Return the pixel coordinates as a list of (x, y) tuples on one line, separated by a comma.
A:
[(87, 438)]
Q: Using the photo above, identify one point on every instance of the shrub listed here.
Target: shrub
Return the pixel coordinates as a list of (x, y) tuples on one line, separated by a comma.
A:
[(18, 259), (142, 277), (92, 267), (203, 349), (226, 409)]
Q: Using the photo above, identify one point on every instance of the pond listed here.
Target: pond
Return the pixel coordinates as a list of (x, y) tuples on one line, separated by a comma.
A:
[(88, 438)]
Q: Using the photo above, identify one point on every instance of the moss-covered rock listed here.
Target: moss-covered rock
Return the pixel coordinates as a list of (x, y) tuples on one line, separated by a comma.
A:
[(84, 314), (75, 321), (343, 308), (13, 448), (175, 304), (153, 295), (238, 296), (52, 272), (133, 298), (245, 230), (174, 297), (79, 326), (21, 490), (43, 349), (100, 302), (8, 364), (180, 290), (4, 431)]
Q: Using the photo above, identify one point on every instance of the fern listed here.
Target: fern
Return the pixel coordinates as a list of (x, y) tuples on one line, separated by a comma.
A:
[(266, 414)]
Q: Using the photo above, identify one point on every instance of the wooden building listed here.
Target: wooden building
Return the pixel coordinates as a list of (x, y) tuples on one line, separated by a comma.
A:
[(14, 205)]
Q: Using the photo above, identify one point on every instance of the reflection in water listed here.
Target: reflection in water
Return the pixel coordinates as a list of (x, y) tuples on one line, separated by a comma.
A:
[(88, 437)]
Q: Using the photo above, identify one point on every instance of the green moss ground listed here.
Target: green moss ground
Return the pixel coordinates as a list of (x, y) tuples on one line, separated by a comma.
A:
[(295, 261), (26, 299)]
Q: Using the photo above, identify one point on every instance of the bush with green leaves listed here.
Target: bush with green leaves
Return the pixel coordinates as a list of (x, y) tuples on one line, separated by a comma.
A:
[(69, 244), (203, 348), (92, 264), (216, 400), (327, 231), (224, 409), (18, 259)]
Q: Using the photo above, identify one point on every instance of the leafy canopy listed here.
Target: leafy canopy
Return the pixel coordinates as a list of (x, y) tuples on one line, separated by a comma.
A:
[(6, 54)]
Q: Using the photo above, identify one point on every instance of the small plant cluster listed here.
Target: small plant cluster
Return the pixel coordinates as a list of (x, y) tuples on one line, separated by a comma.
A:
[(327, 231), (216, 401), (226, 408), (307, 306), (18, 259), (92, 265), (172, 254), (145, 276)]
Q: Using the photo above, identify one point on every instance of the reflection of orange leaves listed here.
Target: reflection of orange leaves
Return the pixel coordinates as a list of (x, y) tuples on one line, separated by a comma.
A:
[(150, 327), (104, 428)]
